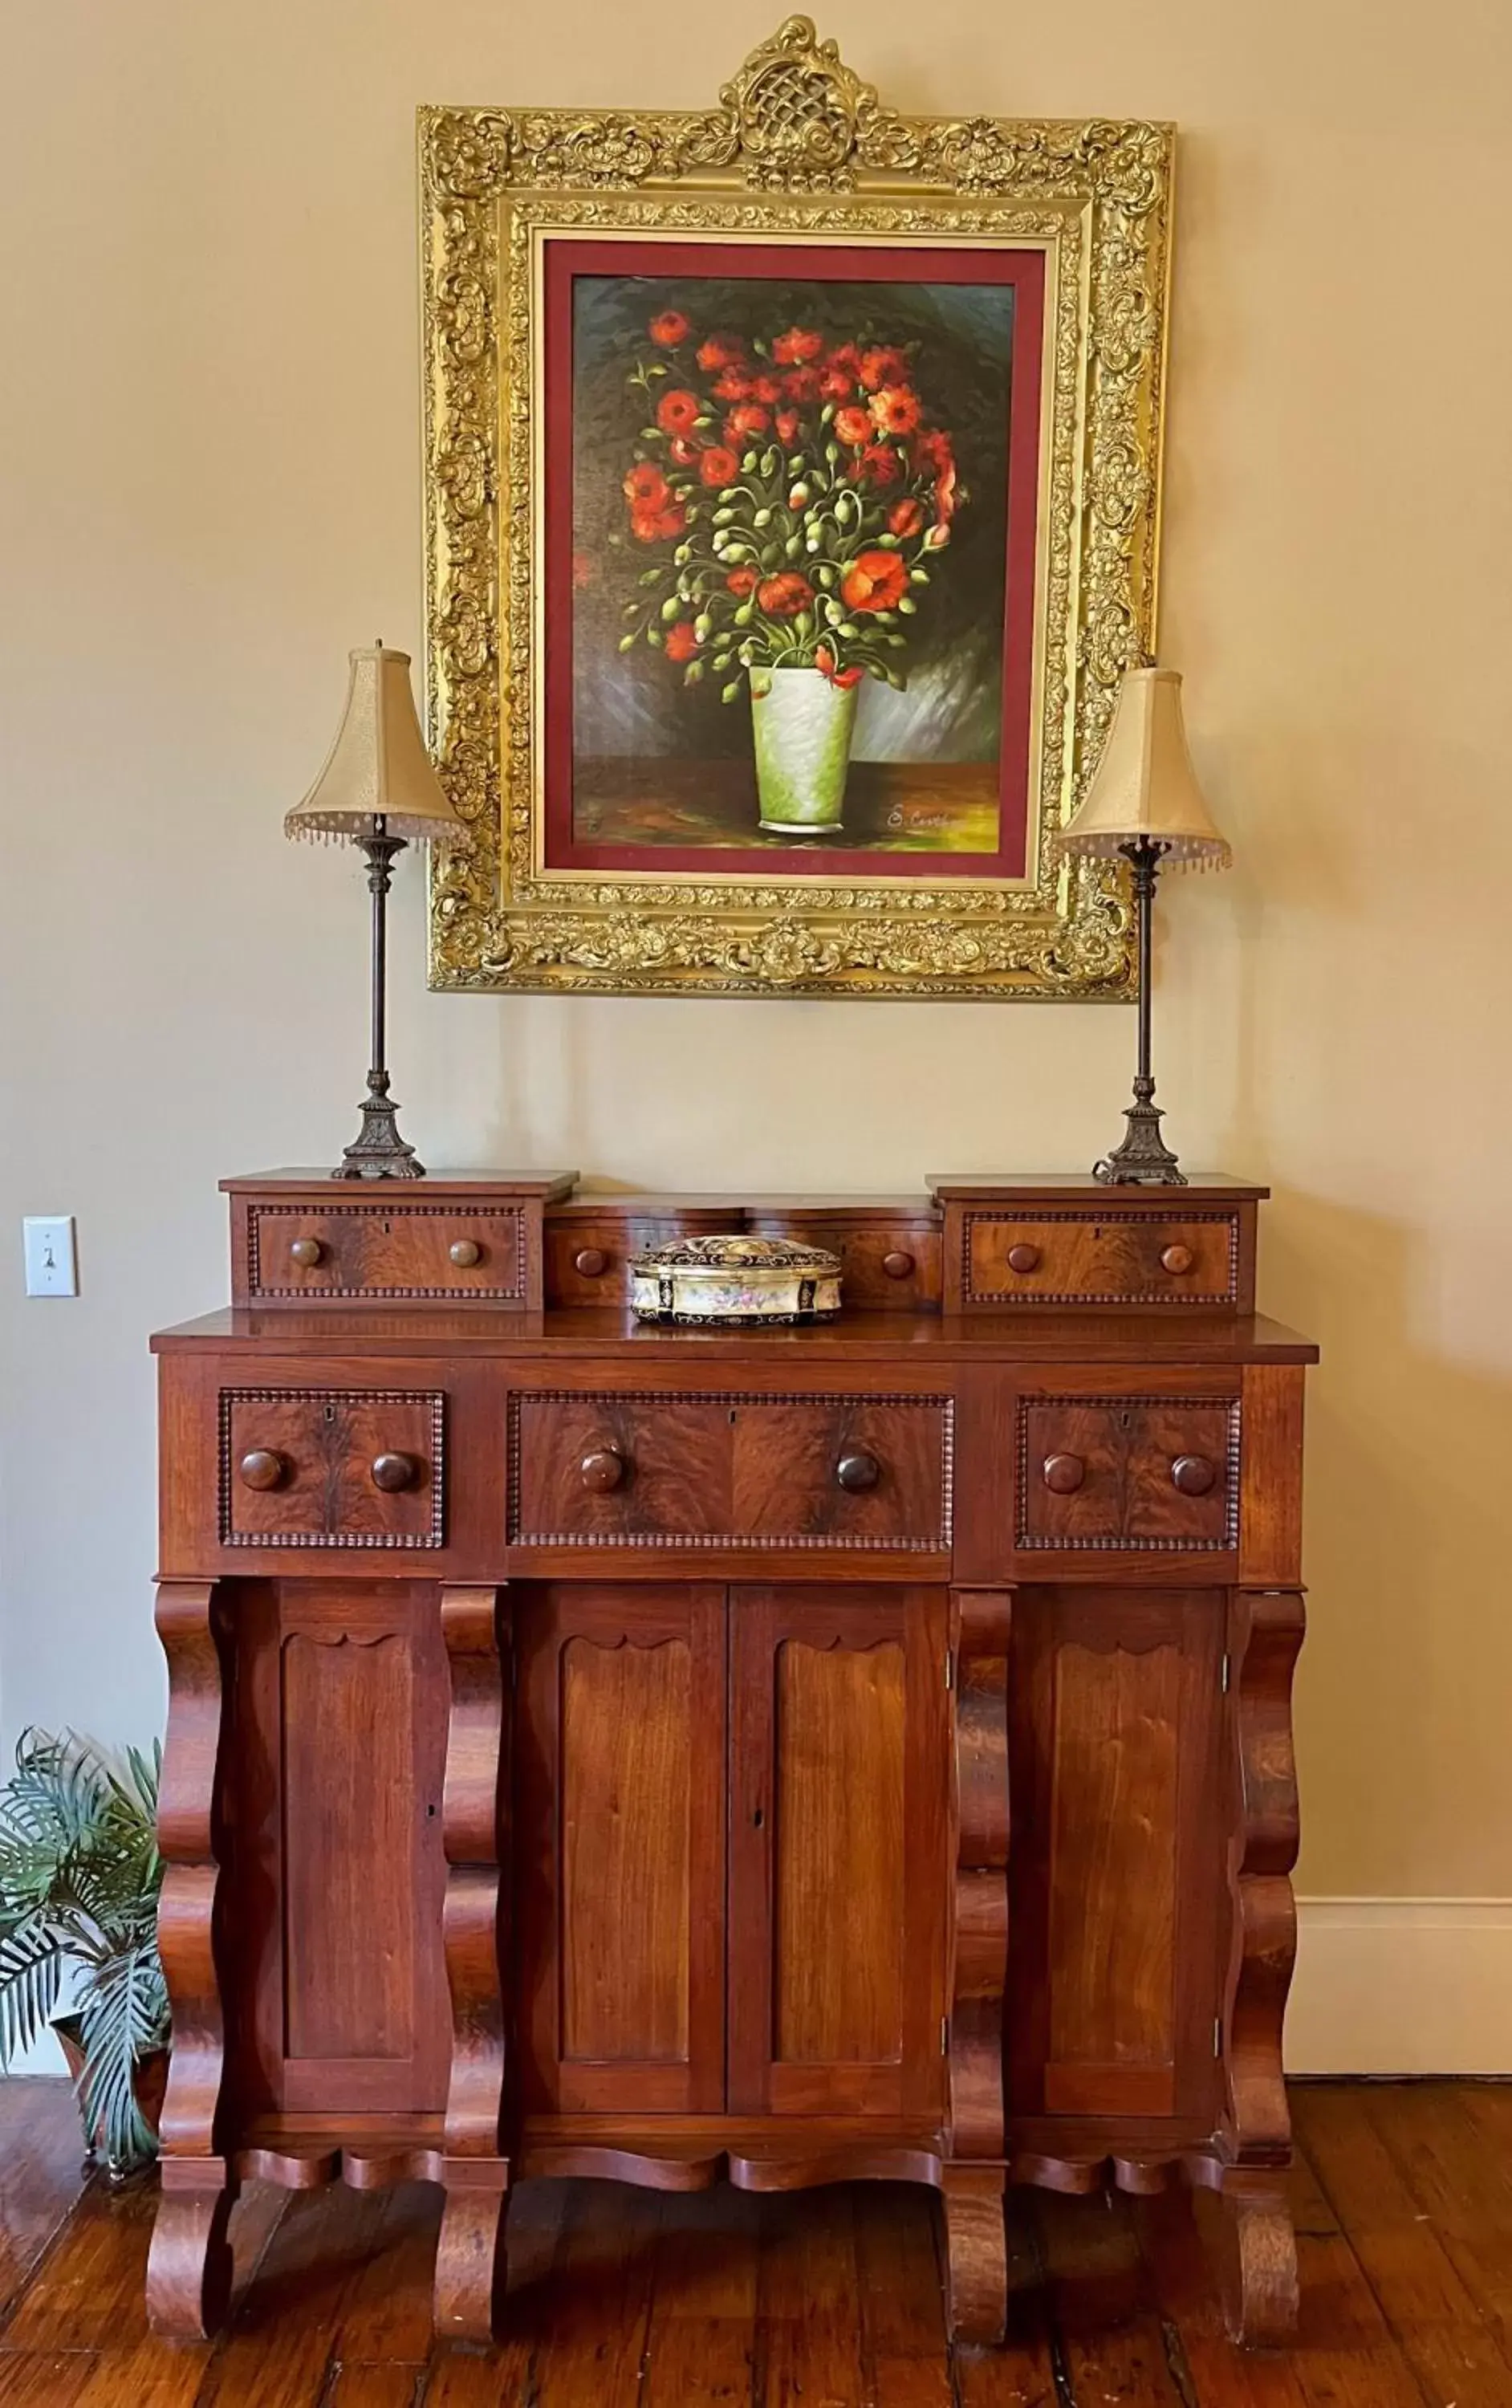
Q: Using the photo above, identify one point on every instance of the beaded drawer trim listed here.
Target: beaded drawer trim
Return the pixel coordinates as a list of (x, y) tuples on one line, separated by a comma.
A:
[(1174, 1297), (1065, 1545), (729, 1542), (432, 1398)]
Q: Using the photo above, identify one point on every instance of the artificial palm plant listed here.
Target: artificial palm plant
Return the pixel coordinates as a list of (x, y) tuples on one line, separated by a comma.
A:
[(80, 1876)]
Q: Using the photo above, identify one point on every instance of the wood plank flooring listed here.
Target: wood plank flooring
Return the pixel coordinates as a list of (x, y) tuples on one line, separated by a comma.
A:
[(828, 2298)]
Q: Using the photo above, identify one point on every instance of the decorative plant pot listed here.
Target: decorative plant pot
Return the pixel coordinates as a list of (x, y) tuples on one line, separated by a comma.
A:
[(803, 723), (149, 2081)]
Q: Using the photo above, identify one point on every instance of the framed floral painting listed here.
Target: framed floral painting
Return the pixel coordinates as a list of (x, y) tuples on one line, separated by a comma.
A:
[(792, 509)]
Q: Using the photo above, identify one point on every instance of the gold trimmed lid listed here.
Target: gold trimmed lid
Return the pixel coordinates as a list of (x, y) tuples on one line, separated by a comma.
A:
[(714, 1255)]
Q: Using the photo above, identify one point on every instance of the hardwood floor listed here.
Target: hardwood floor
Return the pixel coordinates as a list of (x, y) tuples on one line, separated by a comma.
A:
[(826, 2298)]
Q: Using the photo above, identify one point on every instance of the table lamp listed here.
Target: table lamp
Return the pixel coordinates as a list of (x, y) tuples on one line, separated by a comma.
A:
[(1145, 804), (377, 787)]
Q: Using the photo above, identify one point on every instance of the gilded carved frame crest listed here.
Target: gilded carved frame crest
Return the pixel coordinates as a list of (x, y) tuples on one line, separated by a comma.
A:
[(798, 148)]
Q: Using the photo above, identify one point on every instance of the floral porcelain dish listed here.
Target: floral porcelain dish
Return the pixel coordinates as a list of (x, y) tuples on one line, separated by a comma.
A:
[(735, 1281)]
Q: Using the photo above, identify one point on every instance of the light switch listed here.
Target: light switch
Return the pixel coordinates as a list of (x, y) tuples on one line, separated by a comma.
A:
[(52, 1268)]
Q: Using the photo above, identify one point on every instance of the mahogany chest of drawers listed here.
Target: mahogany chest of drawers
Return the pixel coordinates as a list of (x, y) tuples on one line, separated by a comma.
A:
[(783, 1755)]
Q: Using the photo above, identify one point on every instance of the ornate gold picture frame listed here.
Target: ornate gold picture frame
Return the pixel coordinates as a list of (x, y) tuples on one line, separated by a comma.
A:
[(806, 296)]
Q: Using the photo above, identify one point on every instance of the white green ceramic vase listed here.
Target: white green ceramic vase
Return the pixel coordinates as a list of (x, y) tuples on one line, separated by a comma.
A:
[(803, 723)]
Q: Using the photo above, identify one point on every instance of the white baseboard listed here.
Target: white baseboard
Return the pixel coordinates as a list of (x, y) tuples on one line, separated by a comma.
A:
[(1402, 1985)]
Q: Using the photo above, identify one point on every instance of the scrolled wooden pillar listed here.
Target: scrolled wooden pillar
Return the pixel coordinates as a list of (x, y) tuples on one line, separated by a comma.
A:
[(189, 2264), (470, 2252)]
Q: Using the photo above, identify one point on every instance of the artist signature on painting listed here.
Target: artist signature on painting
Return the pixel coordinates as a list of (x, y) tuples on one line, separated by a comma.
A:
[(900, 816)]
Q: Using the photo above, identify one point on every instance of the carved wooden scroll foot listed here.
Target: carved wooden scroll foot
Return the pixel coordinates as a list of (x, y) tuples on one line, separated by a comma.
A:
[(977, 2251), (470, 2265), (189, 2264), (1259, 2268)]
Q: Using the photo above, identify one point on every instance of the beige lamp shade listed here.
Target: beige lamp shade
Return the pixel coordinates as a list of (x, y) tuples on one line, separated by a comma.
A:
[(379, 764), (1145, 784)]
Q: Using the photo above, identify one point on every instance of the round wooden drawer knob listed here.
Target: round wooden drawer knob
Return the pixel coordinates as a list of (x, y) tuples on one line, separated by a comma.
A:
[(1176, 1259), (395, 1472), (262, 1468), (1064, 1474), (604, 1468), (306, 1253), (465, 1253), (1192, 1474), (591, 1263), (1023, 1258), (858, 1469), (898, 1265)]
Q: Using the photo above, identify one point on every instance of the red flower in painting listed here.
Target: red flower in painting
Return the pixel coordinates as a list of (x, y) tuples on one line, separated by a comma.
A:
[(878, 465), (720, 351), (852, 426), (896, 410), (718, 466), (683, 451), (670, 329), (885, 364), (874, 580), (784, 597), (906, 517), (747, 420), (644, 486), (677, 411), (650, 526), (798, 343), (788, 422), (825, 663), (732, 386), (800, 384), (932, 450), (681, 642), (836, 383), (741, 582), (766, 389)]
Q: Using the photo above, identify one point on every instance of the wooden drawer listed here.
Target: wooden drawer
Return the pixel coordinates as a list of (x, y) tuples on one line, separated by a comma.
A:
[(331, 1467), (886, 1265), (1097, 1257), (1127, 1473), (711, 1470), (411, 1254), (588, 1255)]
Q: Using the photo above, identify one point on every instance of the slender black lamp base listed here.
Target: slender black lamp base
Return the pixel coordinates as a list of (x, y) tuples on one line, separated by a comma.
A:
[(379, 1151), (1144, 1159)]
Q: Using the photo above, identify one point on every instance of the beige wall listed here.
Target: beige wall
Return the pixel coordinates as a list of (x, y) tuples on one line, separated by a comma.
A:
[(209, 462)]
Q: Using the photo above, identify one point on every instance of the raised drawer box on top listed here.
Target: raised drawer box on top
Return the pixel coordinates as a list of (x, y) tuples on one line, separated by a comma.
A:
[(299, 1238), (1005, 1258)]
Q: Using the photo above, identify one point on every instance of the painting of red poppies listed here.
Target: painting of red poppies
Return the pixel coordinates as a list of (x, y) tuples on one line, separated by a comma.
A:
[(791, 541)]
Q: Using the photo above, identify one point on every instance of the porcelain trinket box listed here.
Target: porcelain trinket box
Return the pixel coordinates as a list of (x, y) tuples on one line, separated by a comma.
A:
[(736, 1281)]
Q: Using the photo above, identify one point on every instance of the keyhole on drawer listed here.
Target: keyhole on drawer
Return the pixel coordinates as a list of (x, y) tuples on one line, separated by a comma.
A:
[(1124, 1420), (330, 1413), (388, 1227), (759, 1817), (732, 1416), (430, 1814)]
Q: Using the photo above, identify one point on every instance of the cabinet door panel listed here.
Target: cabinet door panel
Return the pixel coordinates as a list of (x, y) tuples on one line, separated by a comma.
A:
[(621, 1767), (1118, 1851), (837, 1851), (337, 1707)]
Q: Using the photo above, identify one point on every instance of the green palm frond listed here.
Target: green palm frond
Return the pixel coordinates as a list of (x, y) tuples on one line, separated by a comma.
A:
[(79, 1877), (31, 1974)]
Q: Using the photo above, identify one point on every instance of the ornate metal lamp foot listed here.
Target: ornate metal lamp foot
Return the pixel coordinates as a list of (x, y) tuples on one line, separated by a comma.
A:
[(1144, 1159), (379, 1151)]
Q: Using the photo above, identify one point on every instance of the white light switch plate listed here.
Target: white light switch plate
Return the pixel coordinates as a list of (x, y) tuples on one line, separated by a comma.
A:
[(52, 1268)]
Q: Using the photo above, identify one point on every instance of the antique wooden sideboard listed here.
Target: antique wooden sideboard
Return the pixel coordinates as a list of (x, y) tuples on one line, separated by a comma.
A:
[(784, 1754)]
